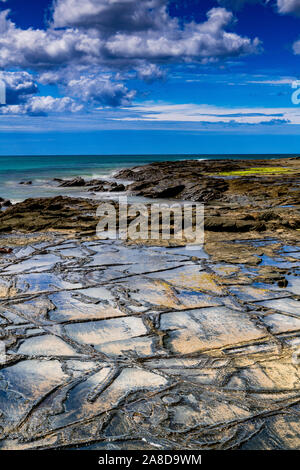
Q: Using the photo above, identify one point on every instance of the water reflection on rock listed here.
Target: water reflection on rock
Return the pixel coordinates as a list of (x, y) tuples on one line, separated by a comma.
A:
[(149, 347)]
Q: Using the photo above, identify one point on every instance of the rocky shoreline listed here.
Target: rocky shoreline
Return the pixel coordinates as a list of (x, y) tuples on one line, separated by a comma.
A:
[(239, 196), (112, 345)]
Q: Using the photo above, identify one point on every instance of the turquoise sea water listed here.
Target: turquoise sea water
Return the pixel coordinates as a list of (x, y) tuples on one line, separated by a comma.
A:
[(42, 169)]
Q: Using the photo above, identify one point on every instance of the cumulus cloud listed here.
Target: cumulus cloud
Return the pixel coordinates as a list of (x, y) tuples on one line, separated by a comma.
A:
[(161, 40), (207, 41), (289, 7), (283, 6), (47, 104), (101, 91), (111, 15), (52, 77), (39, 48), (150, 72), (42, 106), (296, 47), (88, 43), (19, 86), (21, 97)]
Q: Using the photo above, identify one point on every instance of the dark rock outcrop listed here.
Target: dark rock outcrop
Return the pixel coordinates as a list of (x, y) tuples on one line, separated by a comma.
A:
[(58, 213), (76, 182), (5, 203), (253, 204)]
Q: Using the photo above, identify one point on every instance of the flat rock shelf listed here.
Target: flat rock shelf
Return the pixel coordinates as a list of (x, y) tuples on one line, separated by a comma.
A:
[(111, 346)]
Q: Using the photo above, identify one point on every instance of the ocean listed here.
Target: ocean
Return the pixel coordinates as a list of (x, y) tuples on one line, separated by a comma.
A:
[(42, 169)]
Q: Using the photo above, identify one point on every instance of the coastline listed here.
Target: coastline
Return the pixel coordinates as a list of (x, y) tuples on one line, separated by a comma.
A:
[(42, 171), (239, 196), (152, 346)]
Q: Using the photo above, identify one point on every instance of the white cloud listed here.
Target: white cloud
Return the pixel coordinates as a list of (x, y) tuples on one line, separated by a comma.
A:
[(274, 82), (42, 105), (159, 40), (37, 48), (296, 47), (289, 7), (19, 86), (52, 77), (111, 15), (283, 6), (48, 104), (21, 97), (150, 72), (98, 38), (99, 90), (166, 112), (206, 41)]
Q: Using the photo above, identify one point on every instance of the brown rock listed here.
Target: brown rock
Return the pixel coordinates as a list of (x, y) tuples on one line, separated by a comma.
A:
[(76, 182)]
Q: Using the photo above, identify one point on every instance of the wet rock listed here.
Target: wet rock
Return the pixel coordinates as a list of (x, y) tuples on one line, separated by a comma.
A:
[(104, 186), (204, 190), (61, 213), (224, 224), (119, 188), (98, 188), (76, 182), (248, 198), (148, 346), (282, 283), (5, 251), (236, 204), (108, 341), (95, 182), (164, 191), (5, 203)]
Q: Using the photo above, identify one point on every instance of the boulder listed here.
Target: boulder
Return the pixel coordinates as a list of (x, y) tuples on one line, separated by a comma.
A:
[(75, 182), (5, 203), (5, 251), (118, 188)]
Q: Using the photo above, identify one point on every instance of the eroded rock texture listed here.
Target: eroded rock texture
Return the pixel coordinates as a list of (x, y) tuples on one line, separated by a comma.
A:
[(125, 347)]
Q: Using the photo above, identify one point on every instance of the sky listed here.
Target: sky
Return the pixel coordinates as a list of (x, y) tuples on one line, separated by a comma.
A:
[(149, 76)]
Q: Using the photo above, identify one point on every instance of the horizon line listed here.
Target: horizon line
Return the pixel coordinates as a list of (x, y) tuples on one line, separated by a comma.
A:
[(147, 154)]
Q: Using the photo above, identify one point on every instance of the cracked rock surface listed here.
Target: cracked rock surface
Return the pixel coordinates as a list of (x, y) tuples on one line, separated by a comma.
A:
[(111, 346)]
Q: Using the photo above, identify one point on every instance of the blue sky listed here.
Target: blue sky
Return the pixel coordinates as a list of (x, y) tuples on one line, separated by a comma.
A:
[(154, 76)]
